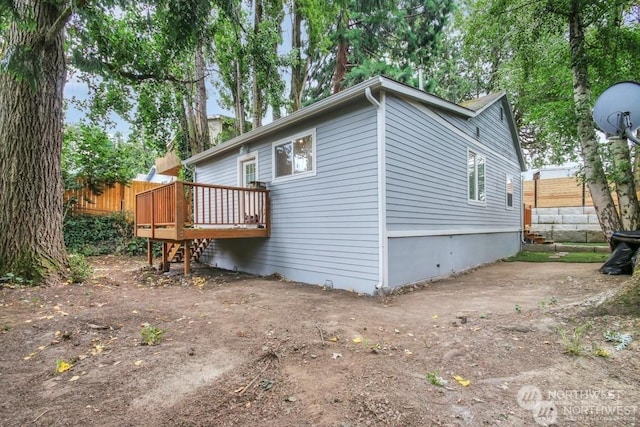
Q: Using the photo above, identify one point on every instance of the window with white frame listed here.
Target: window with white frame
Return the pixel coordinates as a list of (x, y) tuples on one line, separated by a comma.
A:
[(476, 176), (509, 190), (294, 157)]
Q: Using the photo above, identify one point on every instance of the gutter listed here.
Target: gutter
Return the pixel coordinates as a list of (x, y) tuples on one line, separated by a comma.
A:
[(383, 270)]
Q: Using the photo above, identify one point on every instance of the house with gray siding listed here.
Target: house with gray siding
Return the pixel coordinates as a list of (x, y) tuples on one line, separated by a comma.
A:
[(376, 187)]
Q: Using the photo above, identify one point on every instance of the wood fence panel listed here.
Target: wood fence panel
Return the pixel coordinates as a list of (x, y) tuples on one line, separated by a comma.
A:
[(559, 193), (119, 198)]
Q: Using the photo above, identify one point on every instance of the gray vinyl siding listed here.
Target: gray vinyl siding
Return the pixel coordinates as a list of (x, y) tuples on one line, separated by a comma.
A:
[(324, 227), (427, 196), (426, 175)]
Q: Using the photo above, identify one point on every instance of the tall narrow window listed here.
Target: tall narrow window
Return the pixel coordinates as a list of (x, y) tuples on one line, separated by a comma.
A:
[(476, 177), (509, 190), (294, 157)]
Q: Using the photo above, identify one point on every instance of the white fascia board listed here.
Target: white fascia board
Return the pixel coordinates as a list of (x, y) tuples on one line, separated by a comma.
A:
[(330, 103), (426, 98), (304, 113), (451, 232)]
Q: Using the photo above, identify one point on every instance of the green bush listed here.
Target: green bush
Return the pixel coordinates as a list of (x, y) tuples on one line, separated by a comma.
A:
[(102, 234), (79, 269)]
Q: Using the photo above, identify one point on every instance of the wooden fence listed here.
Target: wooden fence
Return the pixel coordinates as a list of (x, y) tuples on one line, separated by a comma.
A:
[(563, 192), (120, 198), (556, 193)]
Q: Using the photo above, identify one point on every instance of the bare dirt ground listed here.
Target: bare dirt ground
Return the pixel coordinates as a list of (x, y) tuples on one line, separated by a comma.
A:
[(243, 351)]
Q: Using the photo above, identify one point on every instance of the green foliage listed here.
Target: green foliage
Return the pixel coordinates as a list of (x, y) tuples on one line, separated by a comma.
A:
[(434, 378), (572, 340), (79, 268), (583, 257), (101, 234), (91, 158), (14, 280), (151, 335)]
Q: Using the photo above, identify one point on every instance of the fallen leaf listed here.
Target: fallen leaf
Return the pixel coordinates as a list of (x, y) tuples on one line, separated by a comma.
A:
[(63, 366), (462, 381), (333, 339), (138, 362), (434, 317), (357, 340), (408, 351), (74, 378)]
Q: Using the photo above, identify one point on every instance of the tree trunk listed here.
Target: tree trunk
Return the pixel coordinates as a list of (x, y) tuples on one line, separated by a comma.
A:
[(201, 124), (297, 67), (238, 101), (342, 58), (594, 172), (31, 116), (256, 95), (625, 185), (189, 115)]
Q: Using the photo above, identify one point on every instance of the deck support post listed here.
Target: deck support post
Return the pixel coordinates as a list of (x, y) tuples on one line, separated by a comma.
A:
[(187, 257), (165, 257), (150, 252)]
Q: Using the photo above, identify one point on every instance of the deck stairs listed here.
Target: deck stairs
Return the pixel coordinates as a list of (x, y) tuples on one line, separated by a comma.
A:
[(533, 237), (175, 251)]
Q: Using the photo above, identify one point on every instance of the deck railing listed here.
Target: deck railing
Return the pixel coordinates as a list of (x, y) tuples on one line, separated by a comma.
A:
[(186, 205)]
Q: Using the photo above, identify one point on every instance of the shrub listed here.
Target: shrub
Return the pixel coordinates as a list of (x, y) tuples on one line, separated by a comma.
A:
[(79, 269), (101, 234)]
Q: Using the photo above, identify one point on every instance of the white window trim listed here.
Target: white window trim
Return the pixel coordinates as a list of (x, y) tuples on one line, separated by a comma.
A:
[(292, 138), (478, 155), (243, 158), (506, 193)]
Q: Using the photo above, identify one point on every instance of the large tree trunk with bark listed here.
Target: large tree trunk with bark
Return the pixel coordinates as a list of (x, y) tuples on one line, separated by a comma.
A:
[(594, 172), (625, 185), (298, 70), (203, 141), (31, 117)]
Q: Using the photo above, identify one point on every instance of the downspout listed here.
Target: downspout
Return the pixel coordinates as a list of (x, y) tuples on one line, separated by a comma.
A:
[(383, 269)]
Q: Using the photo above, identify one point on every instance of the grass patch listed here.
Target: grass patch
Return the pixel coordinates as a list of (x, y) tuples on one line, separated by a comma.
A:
[(527, 256), (590, 245)]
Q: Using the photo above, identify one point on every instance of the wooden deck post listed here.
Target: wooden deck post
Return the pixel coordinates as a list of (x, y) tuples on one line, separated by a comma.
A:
[(187, 257), (179, 213), (150, 252), (165, 257)]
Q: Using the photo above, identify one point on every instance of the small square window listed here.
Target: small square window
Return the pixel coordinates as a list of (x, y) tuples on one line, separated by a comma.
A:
[(294, 157)]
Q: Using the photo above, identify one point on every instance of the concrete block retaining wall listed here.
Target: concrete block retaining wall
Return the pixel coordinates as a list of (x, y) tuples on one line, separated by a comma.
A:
[(567, 224)]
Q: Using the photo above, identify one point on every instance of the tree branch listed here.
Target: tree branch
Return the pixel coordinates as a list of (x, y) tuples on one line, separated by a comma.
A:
[(62, 20)]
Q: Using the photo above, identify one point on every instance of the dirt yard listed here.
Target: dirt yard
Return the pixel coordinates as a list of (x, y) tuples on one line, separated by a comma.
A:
[(246, 351)]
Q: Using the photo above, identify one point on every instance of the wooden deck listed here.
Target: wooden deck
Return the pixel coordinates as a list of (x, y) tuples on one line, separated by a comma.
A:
[(182, 212)]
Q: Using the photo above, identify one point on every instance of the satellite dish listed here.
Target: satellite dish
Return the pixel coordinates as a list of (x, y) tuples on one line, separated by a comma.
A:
[(617, 110)]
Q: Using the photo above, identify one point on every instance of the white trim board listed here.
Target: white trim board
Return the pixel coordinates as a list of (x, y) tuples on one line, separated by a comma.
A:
[(452, 232)]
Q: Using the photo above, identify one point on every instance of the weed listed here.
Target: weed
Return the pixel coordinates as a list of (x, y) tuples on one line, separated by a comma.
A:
[(151, 335), (435, 378), (15, 280), (518, 309), (79, 268), (573, 341), (553, 301), (600, 352), (542, 304), (621, 340)]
